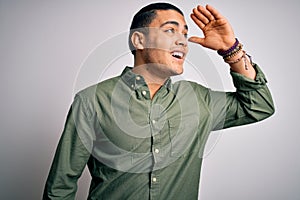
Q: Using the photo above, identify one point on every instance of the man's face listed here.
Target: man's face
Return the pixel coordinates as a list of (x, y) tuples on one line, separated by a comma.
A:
[(166, 43)]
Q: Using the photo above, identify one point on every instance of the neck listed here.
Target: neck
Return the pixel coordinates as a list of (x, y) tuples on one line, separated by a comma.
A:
[(153, 80)]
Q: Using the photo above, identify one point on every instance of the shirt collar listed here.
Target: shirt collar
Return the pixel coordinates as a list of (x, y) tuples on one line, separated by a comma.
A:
[(135, 81)]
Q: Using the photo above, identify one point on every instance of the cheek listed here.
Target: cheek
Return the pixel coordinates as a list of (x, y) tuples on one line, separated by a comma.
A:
[(165, 43), (158, 55), (161, 43)]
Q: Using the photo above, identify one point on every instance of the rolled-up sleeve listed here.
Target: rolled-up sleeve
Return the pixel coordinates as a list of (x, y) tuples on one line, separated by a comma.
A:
[(251, 102)]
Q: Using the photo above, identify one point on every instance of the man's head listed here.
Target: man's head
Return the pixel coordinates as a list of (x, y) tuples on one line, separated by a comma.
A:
[(158, 35), (144, 17)]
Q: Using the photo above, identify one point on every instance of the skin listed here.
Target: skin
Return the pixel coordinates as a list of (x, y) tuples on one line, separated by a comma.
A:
[(154, 58), (218, 34)]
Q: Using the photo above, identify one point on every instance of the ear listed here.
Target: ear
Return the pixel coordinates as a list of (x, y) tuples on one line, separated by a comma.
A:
[(138, 40)]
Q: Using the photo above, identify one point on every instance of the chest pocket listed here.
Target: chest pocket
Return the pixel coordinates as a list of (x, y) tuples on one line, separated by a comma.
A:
[(184, 136)]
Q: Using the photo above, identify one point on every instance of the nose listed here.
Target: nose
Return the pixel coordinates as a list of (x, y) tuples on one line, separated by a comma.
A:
[(181, 40)]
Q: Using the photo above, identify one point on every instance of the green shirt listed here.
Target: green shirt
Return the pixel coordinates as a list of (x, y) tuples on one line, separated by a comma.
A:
[(141, 148)]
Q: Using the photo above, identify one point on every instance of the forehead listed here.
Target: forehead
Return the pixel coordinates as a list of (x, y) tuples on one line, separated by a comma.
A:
[(163, 16)]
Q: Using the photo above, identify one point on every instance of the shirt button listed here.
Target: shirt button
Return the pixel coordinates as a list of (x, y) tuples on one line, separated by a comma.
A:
[(138, 78), (144, 92), (156, 150), (153, 121), (154, 179)]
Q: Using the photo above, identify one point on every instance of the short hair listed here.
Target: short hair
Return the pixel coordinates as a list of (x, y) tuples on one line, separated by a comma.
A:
[(144, 17)]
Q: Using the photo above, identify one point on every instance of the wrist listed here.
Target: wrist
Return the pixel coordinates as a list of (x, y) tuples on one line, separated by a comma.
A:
[(234, 57), (228, 45), (226, 50)]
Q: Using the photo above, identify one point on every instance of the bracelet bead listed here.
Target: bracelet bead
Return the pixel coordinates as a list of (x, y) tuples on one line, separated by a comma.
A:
[(237, 60), (223, 53), (244, 58), (233, 52)]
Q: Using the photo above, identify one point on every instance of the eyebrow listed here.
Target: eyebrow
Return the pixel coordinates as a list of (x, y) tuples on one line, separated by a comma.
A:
[(174, 23)]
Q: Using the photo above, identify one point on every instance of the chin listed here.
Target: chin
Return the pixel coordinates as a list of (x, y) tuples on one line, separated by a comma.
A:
[(178, 71)]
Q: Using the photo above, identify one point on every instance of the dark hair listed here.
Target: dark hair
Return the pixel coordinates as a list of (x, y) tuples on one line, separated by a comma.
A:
[(145, 16)]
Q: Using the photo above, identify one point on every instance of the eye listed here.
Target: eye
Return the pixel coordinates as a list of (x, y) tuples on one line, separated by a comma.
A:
[(170, 30)]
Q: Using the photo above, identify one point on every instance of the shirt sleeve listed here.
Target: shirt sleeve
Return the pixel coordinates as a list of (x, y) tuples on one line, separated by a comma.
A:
[(72, 153), (251, 102)]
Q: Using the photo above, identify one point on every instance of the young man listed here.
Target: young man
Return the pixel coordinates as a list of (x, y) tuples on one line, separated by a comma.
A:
[(143, 136)]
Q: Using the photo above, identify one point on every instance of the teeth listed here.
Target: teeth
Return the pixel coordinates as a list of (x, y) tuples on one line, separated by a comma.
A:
[(177, 54)]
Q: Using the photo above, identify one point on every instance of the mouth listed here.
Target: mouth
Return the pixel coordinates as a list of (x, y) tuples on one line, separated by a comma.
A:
[(178, 54)]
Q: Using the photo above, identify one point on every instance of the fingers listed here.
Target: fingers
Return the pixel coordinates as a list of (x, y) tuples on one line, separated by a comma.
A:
[(201, 16), (217, 15), (198, 21), (197, 40), (204, 15)]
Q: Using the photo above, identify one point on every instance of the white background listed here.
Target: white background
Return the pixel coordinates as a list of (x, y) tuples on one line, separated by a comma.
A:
[(44, 44)]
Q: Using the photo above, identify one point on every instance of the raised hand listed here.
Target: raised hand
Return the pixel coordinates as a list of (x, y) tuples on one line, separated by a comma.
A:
[(218, 34)]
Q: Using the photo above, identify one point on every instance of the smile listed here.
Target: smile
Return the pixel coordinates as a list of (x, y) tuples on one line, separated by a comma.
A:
[(178, 54)]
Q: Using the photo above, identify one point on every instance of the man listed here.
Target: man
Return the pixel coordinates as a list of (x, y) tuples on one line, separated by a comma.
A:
[(143, 136)]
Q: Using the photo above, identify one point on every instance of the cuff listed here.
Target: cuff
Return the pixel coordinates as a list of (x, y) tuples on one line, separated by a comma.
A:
[(243, 83)]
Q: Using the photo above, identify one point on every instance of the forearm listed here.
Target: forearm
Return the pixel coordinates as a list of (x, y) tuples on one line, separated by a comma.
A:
[(70, 159), (237, 58), (251, 102), (72, 154), (243, 65)]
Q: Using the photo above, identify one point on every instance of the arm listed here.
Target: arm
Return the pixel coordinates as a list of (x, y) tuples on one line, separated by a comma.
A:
[(252, 101), (72, 154)]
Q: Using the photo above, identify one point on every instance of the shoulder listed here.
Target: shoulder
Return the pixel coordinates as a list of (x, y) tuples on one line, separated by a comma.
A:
[(189, 89), (183, 84), (98, 88)]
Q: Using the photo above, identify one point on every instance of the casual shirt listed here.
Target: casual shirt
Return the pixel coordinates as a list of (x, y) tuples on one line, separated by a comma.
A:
[(142, 148)]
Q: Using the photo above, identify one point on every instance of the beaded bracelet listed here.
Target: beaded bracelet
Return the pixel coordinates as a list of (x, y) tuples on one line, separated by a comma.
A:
[(224, 53), (239, 59), (233, 52)]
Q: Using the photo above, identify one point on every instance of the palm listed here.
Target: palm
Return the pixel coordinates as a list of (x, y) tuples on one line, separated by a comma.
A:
[(218, 33)]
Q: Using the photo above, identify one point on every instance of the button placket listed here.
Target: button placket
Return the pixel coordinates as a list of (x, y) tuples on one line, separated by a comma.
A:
[(155, 185), (144, 93), (154, 179)]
